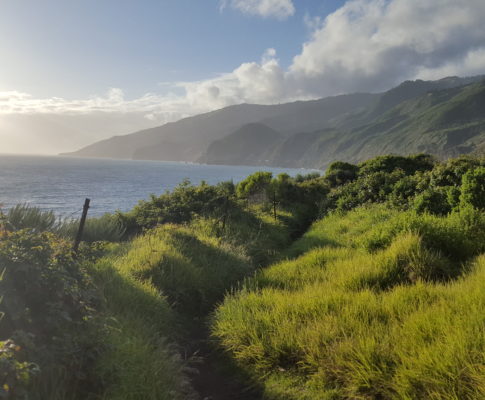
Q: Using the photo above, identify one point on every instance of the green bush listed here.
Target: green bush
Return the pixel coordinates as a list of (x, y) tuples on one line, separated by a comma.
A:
[(179, 206), (415, 182), (257, 184), (433, 201), (23, 216), (339, 173), (390, 163), (48, 312), (15, 375), (473, 188), (450, 172)]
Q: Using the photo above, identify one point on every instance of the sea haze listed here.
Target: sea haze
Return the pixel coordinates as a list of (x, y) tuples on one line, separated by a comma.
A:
[(61, 183)]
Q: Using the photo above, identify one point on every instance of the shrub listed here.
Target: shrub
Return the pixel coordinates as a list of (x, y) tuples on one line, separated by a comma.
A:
[(48, 305), (255, 185), (450, 172), (433, 201), (23, 216), (410, 165), (15, 376), (178, 206), (473, 188), (339, 173)]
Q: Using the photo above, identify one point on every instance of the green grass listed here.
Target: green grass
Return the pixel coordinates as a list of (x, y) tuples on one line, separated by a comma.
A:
[(138, 362), (104, 228), (380, 305), (23, 216), (159, 280)]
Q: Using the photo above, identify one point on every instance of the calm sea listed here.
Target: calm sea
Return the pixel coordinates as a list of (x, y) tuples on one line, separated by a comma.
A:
[(62, 183)]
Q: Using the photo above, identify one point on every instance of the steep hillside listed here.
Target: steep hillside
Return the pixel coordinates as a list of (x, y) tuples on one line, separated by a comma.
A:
[(189, 138), (441, 117), (445, 123), (247, 145)]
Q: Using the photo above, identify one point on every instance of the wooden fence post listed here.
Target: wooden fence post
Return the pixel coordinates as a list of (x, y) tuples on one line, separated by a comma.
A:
[(274, 204), (79, 235)]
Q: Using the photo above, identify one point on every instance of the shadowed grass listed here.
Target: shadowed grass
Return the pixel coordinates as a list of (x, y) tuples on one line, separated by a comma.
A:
[(139, 363), (162, 278)]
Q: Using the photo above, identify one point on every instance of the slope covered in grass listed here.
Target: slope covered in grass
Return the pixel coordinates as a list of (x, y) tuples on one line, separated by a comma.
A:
[(380, 304), (168, 274), (139, 362)]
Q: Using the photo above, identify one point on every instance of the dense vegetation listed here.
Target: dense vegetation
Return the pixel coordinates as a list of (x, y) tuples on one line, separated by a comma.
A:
[(381, 298), (50, 334)]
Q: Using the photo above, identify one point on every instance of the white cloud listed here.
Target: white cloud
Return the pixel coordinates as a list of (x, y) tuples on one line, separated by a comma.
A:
[(374, 44), (366, 45), (280, 9), (170, 107)]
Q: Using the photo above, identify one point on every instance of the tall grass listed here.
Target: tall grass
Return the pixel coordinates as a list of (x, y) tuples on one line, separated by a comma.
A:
[(104, 228), (161, 279), (139, 362), (23, 216), (380, 305)]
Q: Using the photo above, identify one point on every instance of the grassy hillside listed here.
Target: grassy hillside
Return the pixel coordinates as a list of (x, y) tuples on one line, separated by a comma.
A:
[(367, 124), (247, 145), (378, 306), (159, 283), (382, 298), (431, 117), (445, 123)]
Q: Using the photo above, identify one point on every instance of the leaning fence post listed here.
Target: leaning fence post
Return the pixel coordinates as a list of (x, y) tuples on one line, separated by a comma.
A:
[(81, 226)]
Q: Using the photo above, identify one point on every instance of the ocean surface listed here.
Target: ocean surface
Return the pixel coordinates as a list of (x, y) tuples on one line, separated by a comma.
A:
[(62, 183)]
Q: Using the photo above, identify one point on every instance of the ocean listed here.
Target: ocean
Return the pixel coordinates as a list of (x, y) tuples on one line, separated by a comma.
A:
[(62, 183)]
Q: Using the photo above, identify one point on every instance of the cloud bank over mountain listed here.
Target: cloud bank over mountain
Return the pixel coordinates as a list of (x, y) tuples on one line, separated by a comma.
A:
[(365, 45)]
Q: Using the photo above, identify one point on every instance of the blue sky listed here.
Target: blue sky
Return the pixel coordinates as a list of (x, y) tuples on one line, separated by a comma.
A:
[(80, 48), (76, 71)]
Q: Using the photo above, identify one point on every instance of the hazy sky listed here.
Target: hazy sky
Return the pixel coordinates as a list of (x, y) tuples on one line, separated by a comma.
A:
[(74, 71)]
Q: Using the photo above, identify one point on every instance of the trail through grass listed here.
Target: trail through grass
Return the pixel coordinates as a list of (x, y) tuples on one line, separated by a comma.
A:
[(158, 290)]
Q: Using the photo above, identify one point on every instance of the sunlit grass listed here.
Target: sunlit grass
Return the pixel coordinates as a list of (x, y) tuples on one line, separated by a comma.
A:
[(159, 279), (380, 305)]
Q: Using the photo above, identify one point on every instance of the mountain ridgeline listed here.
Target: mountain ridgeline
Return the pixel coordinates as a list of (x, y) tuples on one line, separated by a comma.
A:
[(444, 117)]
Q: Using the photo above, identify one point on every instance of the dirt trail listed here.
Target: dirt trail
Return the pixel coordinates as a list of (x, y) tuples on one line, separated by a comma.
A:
[(217, 379)]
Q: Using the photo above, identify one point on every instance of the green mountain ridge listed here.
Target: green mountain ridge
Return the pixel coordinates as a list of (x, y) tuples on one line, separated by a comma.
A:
[(445, 123), (442, 117), (249, 144)]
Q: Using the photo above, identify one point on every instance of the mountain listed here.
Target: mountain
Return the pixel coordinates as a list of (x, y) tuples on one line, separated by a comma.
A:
[(247, 145), (443, 117), (189, 138)]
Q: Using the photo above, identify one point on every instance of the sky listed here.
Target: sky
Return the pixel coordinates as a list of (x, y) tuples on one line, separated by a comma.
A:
[(73, 72)]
